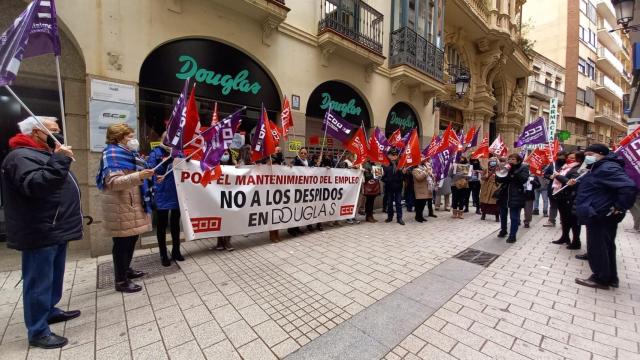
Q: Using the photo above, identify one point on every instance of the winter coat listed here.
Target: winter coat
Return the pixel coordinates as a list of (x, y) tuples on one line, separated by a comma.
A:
[(606, 186), (392, 178), (165, 195), (298, 162), (512, 187), (423, 182), (41, 199), (488, 188), (122, 205), (568, 195)]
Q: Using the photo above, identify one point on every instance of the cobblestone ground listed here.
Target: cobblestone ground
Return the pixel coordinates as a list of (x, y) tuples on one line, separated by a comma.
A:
[(266, 300)]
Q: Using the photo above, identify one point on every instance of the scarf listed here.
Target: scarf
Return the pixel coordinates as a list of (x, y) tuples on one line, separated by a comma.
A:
[(22, 140), (117, 158), (564, 171)]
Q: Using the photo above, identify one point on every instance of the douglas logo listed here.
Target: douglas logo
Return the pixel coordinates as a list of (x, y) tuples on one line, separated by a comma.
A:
[(206, 224)]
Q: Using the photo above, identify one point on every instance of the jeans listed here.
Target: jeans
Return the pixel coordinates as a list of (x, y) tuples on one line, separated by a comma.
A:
[(601, 249), (439, 200), (394, 196), (460, 198), (161, 231), (42, 276), (409, 198), (545, 200), (123, 248), (514, 213), (368, 205)]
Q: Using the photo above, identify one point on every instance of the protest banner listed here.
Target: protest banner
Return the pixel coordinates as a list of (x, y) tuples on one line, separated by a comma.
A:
[(251, 199)]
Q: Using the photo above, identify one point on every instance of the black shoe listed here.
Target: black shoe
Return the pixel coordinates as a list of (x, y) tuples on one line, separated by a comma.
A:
[(466, 210), (64, 316), (419, 220), (291, 232), (319, 227), (511, 239), (127, 287), (615, 284), (574, 246), (592, 284), (483, 217), (400, 222), (388, 220), (478, 212), (502, 234), (536, 212), (433, 215), (582, 256), (177, 257), (134, 274), (52, 341), (560, 241), (526, 225), (310, 228), (166, 262)]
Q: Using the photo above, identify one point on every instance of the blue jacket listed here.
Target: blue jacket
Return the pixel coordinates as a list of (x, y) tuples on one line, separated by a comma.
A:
[(606, 186), (165, 195)]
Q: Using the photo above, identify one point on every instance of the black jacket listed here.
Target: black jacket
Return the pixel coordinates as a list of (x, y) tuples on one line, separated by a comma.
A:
[(41, 199), (392, 178), (512, 187), (535, 185), (298, 162), (606, 186), (567, 196)]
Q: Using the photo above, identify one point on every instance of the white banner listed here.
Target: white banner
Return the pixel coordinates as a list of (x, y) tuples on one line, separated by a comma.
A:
[(250, 199)]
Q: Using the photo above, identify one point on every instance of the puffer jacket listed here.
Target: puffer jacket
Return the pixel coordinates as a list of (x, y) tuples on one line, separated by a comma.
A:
[(512, 187), (606, 186), (122, 205), (41, 199), (165, 194)]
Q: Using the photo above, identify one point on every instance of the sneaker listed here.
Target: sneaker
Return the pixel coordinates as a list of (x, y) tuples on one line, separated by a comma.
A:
[(51, 341), (349, 221)]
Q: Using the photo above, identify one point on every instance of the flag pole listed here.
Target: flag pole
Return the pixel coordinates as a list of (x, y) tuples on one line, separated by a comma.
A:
[(183, 161), (62, 114), (44, 128)]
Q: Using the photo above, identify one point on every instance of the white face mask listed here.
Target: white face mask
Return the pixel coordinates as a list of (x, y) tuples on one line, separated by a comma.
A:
[(590, 159), (225, 158), (133, 145)]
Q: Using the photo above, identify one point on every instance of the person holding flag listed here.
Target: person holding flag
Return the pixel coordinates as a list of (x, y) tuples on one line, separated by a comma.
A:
[(512, 199), (392, 179)]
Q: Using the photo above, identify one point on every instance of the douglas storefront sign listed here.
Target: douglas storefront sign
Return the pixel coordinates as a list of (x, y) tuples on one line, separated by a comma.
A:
[(342, 99), (402, 117), (221, 72)]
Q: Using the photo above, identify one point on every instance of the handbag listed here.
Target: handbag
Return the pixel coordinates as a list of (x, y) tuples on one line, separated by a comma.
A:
[(371, 187), (496, 194)]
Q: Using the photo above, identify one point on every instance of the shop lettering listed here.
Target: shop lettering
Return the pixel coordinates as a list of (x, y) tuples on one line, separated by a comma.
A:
[(344, 109), (404, 123), (228, 82)]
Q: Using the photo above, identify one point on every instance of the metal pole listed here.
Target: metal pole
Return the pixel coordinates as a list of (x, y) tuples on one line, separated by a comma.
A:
[(62, 115), (44, 128)]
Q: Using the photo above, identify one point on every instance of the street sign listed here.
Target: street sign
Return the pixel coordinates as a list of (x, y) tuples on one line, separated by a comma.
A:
[(294, 145)]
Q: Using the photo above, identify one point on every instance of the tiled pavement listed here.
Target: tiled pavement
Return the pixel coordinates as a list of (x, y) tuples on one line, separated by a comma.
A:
[(266, 300)]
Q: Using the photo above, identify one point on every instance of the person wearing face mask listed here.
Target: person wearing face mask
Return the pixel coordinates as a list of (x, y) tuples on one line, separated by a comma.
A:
[(474, 185), (460, 173), (123, 179), (166, 203), (565, 199), (488, 187), (41, 200), (603, 197), (548, 172), (512, 199)]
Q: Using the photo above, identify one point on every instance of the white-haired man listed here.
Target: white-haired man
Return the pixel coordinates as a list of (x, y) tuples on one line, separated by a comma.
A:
[(42, 205)]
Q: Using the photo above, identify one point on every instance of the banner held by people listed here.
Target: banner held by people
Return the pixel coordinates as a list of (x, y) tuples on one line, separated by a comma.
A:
[(251, 199)]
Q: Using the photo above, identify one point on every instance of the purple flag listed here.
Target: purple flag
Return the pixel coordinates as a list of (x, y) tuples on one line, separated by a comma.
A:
[(218, 138), (631, 155), (474, 140), (442, 162), (534, 133), (33, 33), (338, 128), (382, 140), (177, 120)]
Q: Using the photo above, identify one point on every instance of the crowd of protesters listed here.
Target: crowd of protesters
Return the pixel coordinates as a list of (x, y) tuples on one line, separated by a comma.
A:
[(42, 202)]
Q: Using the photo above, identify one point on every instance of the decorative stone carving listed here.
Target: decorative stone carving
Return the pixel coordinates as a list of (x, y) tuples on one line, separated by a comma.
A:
[(326, 54), (268, 27), (395, 85), (113, 59), (368, 71), (517, 100)]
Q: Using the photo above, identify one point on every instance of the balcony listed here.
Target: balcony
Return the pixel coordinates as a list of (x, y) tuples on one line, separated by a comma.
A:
[(544, 92), (269, 13), (606, 10), (609, 63), (409, 48), (607, 38), (610, 118), (352, 29), (608, 89)]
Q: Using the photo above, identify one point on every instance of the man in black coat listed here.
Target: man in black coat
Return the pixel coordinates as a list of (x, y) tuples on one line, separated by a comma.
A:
[(548, 173), (603, 197), (392, 179), (42, 205), (512, 197)]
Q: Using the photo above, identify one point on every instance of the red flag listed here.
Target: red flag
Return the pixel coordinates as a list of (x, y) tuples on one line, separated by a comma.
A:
[(286, 118), (483, 150), (538, 160), (627, 139), (314, 140), (411, 153), (449, 138), (396, 139), (498, 147), (214, 117), (263, 144), (358, 146), (192, 119), (469, 137), (208, 176), (276, 133), (376, 151), (555, 149), (197, 145)]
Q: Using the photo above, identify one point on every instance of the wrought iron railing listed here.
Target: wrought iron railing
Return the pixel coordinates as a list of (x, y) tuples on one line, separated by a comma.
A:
[(546, 90), (409, 48), (353, 19)]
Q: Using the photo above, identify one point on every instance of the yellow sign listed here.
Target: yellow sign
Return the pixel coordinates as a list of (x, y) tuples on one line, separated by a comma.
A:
[(154, 144), (295, 145)]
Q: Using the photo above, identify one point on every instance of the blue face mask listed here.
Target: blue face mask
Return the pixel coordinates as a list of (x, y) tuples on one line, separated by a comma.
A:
[(590, 159), (224, 158)]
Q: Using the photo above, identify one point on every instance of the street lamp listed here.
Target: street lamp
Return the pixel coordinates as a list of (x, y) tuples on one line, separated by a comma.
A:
[(624, 14), (462, 84)]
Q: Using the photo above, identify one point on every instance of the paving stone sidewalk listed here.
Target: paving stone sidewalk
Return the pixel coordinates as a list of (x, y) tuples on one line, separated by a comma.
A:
[(267, 301)]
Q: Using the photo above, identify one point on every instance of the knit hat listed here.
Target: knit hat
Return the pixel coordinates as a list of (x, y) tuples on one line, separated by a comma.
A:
[(598, 149)]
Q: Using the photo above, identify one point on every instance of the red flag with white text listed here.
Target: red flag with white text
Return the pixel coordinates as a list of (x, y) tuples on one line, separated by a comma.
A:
[(286, 118), (376, 151), (395, 139), (358, 145), (411, 153), (498, 147), (483, 150)]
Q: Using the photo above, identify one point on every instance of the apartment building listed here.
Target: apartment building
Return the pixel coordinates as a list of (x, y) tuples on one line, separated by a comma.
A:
[(546, 81), (576, 35)]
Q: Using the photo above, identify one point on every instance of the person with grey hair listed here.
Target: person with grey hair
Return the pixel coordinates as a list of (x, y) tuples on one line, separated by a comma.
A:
[(42, 206)]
